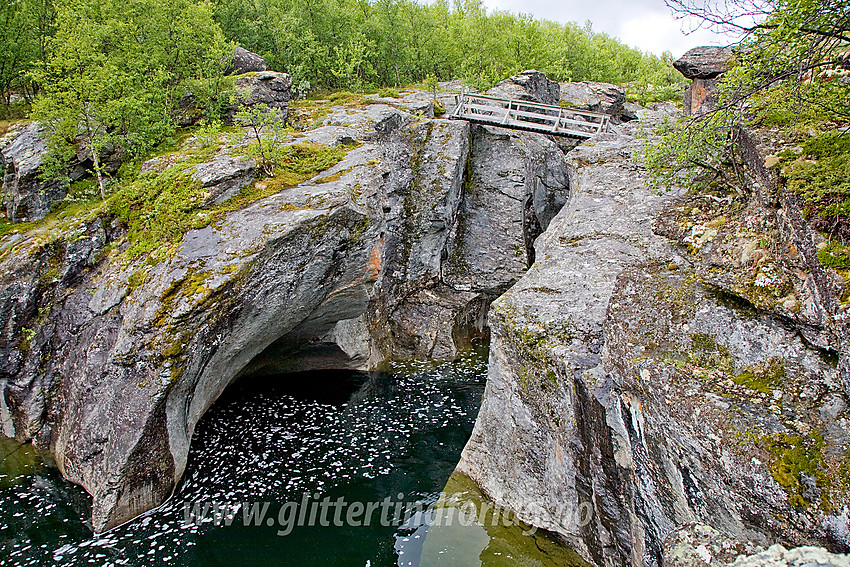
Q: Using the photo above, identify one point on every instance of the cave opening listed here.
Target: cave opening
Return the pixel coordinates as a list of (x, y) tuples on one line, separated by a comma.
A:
[(327, 433)]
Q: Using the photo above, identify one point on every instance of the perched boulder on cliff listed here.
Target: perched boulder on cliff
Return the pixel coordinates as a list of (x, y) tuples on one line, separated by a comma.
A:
[(704, 65), (706, 62), (596, 97), (245, 61), (528, 85), (26, 195)]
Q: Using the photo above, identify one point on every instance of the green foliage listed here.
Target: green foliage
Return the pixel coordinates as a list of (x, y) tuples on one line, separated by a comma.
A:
[(835, 256), (783, 77), (267, 131), (341, 98), (25, 29), (692, 153), (158, 210), (644, 94), (116, 70), (820, 174), (354, 44), (208, 136)]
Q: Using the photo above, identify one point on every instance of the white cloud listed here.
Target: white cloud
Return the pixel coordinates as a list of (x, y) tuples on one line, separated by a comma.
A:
[(645, 24), (657, 32)]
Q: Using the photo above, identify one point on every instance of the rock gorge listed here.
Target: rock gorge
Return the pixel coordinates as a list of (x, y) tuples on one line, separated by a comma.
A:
[(671, 362)]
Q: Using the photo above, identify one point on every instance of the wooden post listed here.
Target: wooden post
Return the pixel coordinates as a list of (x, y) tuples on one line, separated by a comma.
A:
[(508, 113), (558, 120)]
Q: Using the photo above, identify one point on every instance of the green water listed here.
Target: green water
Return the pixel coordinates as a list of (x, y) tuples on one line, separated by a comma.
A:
[(272, 447)]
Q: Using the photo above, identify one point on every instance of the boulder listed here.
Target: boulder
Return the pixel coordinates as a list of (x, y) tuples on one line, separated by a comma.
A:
[(245, 61), (705, 65), (26, 195), (596, 97), (268, 87), (223, 177), (529, 85), (706, 62), (111, 157)]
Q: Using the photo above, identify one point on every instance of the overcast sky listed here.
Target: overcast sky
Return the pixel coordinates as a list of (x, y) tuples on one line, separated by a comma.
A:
[(645, 24)]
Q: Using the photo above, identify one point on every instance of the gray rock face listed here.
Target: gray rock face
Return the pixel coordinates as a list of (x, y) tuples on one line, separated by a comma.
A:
[(706, 62), (778, 556), (596, 97), (109, 367), (619, 386), (224, 177), (514, 180), (245, 61), (25, 194), (528, 85)]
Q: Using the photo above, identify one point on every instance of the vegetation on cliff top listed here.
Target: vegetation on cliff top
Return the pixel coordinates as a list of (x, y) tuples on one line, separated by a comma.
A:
[(106, 46), (790, 76)]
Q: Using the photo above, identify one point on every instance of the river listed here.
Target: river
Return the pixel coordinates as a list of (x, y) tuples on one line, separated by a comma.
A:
[(320, 468)]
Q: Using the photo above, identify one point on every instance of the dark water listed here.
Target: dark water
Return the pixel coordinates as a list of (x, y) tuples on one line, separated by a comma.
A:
[(364, 438)]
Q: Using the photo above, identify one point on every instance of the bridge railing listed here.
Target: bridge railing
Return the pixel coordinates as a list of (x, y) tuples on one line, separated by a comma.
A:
[(532, 116)]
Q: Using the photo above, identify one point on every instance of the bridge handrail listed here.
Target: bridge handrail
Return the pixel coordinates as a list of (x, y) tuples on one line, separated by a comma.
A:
[(529, 115)]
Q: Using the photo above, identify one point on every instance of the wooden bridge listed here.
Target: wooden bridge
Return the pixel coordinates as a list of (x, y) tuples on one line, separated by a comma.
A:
[(531, 116)]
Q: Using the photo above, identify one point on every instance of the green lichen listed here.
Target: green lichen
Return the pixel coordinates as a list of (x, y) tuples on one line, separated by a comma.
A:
[(532, 346), (49, 277), (191, 284), (136, 279), (707, 353), (793, 458), (764, 377), (27, 335)]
